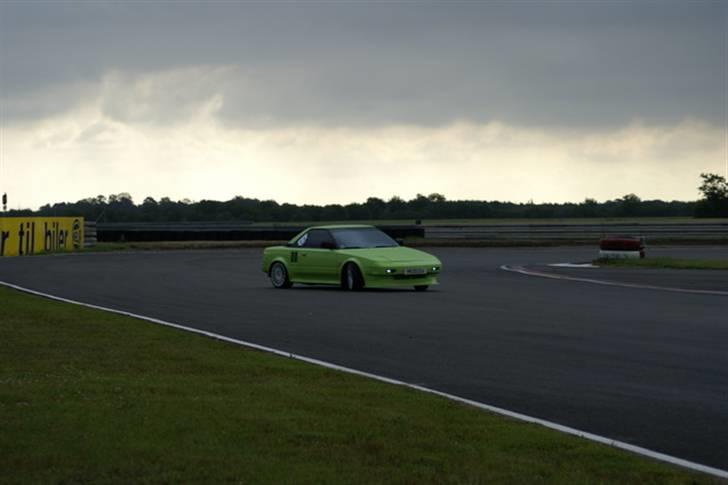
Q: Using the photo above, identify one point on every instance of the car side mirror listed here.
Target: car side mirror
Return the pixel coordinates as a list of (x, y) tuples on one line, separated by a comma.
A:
[(400, 241), (327, 245)]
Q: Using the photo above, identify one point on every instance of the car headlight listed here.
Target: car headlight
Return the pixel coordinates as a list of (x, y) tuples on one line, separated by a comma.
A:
[(435, 268), (390, 270)]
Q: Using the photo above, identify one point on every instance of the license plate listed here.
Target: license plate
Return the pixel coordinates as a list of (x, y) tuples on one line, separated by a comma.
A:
[(413, 271)]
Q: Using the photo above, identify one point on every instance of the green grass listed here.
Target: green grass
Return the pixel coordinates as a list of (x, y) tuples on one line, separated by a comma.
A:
[(667, 263), (88, 396)]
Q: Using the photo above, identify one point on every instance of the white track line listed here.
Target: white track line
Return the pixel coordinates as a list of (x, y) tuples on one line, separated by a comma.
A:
[(573, 265), (541, 274), (511, 414)]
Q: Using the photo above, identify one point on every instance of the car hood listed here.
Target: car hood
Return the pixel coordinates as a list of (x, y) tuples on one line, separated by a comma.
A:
[(392, 255)]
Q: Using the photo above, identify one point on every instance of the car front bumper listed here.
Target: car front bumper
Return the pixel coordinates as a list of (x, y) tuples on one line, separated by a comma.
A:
[(399, 281)]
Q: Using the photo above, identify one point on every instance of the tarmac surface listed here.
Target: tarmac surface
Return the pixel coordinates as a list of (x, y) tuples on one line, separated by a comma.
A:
[(686, 279), (646, 367)]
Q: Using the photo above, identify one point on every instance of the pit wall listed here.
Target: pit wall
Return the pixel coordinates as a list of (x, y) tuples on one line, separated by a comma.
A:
[(24, 236)]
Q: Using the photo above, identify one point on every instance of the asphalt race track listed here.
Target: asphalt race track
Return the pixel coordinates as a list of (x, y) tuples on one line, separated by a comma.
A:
[(687, 279), (647, 367)]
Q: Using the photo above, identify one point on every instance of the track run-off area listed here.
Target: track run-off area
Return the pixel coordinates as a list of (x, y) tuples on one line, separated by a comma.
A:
[(643, 366)]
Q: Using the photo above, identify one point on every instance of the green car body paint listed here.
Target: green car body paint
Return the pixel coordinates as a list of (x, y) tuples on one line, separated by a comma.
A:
[(353, 256)]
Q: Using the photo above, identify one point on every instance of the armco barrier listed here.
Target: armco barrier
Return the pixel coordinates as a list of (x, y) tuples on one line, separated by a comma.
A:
[(581, 232), (23, 236), (218, 231), (588, 233)]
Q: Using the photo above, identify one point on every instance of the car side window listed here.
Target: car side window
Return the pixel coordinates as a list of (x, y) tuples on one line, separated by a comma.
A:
[(316, 237), (302, 240)]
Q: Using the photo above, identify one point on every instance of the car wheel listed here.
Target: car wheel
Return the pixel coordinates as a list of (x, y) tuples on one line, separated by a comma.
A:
[(421, 287), (351, 278), (279, 276)]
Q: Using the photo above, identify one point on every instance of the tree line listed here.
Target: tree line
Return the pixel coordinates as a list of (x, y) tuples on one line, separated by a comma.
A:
[(121, 208)]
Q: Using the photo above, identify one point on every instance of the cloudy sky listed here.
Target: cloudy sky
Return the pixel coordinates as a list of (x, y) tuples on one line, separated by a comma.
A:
[(332, 102)]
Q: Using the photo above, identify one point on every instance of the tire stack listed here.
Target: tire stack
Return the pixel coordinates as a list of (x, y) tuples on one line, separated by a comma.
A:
[(622, 247), (89, 234)]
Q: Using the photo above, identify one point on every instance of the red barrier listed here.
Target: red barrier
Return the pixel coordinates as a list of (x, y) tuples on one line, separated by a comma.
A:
[(622, 247), (621, 244)]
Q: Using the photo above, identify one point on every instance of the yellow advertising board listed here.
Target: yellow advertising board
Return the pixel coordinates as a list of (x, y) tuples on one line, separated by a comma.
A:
[(23, 236)]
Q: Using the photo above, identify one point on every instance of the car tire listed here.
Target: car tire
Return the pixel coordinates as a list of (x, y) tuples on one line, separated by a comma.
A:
[(421, 287), (351, 278), (279, 276)]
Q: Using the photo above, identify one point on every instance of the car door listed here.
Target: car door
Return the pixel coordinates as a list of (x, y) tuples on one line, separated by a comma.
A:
[(296, 263), (319, 263)]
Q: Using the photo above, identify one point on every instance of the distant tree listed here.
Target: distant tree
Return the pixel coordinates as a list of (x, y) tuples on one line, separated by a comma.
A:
[(435, 197), (419, 203), (714, 203), (121, 208), (629, 205), (588, 208), (334, 212), (149, 210), (714, 186), (395, 207), (376, 207), (123, 198), (631, 199)]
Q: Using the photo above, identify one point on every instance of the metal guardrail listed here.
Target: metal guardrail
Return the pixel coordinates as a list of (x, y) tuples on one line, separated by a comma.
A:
[(180, 226), (579, 231), (219, 231), (232, 231)]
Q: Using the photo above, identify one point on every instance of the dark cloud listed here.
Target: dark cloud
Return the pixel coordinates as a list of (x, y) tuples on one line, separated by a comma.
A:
[(549, 63)]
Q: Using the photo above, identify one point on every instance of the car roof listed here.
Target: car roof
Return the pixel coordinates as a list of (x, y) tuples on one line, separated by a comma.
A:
[(342, 226)]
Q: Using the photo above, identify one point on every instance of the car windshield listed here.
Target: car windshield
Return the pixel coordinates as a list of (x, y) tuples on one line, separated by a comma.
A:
[(366, 237)]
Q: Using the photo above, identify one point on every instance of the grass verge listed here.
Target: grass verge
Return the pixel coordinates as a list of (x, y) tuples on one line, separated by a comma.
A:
[(89, 396), (666, 263)]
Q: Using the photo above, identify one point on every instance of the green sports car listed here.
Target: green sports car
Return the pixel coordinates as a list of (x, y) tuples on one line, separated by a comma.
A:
[(353, 256)]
